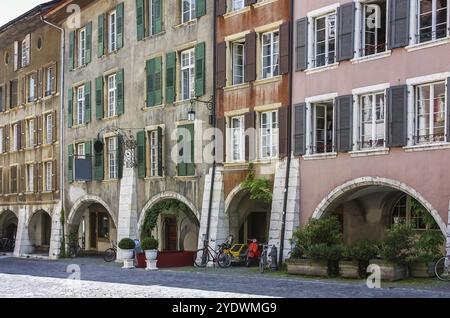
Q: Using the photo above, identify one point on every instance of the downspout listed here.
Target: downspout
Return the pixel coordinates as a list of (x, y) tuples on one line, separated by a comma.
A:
[(61, 118), (289, 133), (214, 121)]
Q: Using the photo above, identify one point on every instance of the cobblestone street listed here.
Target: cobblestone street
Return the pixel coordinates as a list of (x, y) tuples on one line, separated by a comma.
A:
[(42, 278)]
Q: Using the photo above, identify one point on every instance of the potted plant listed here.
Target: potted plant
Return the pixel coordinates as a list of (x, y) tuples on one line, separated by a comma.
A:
[(356, 258), (316, 248), (150, 247), (426, 251), (127, 247), (395, 252)]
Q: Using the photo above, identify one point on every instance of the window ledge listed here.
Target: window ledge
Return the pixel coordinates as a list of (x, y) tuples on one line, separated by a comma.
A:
[(45, 98), (236, 87), (185, 178), (153, 36), (263, 3), (268, 80), (369, 152), (154, 178), (427, 147), (372, 57), (185, 24), (111, 181), (79, 126), (321, 156), (110, 118), (322, 68), (46, 192), (150, 108), (182, 102), (425, 45), (235, 164), (236, 12)]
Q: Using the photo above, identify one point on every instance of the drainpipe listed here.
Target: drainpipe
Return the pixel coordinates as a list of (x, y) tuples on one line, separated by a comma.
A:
[(213, 174), (289, 133), (61, 117)]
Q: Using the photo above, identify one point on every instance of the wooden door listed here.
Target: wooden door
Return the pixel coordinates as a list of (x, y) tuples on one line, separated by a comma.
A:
[(93, 229), (170, 231)]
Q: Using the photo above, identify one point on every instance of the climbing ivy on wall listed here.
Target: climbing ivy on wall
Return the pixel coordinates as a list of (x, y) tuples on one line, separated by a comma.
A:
[(259, 189), (151, 217)]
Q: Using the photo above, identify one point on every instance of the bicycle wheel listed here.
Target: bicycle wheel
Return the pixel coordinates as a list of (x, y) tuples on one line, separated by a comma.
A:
[(442, 271), (262, 266), (224, 260), (71, 252), (110, 255), (201, 258)]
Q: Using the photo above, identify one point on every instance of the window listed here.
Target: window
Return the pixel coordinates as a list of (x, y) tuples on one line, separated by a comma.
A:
[(323, 136), (154, 153), (80, 105), (32, 87), (324, 40), (238, 62), (430, 113), (25, 51), (371, 119), (30, 133), (408, 210), (432, 20), (30, 177), (49, 128), (237, 138), (188, 10), (374, 35), (15, 132), (13, 93), (112, 31), (2, 106), (238, 4), (112, 158), (155, 16), (1, 140), (188, 74), (269, 134), (112, 91), (48, 176), (13, 179), (82, 47), (50, 84), (81, 151), (270, 54)]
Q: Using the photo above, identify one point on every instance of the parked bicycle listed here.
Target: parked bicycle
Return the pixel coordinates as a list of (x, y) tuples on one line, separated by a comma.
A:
[(110, 254), (442, 269), (7, 245), (74, 248), (222, 257)]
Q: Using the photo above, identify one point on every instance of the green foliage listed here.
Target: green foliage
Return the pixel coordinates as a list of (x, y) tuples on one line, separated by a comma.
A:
[(322, 251), (149, 243), (259, 189), (72, 238), (62, 248), (427, 247), (398, 244), (127, 244), (151, 217), (362, 251)]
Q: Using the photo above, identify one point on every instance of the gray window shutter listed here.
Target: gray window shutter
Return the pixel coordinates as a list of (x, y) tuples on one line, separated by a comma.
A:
[(397, 116), (398, 23), (250, 2), (302, 44), (221, 7), (250, 57), (221, 71), (448, 109), (222, 126), (300, 129), (87, 102), (250, 123), (344, 121), (346, 32), (285, 48)]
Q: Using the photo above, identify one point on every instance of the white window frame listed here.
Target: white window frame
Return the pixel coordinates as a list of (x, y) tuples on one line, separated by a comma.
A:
[(112, 31), (271, 133), (433, 24), (15, 141), (111, 110), (361, 15), (314, 106), (274, 64), (112, 158), (153, 143), (82, 47), (49, 128), (187, 69), (313, 47), (235, 63), (30, 177), (374, 121), (191, 12), (25, 58), (30, 131), (81, 150), (48, 176), (49, 80), (31, 85), (237, 139), (80, 105), (237, 5)]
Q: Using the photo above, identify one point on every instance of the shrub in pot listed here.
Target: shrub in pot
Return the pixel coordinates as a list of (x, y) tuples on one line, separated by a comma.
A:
[(425, 252), (356, 258), (150, 247), (330, 254), (127, 247)]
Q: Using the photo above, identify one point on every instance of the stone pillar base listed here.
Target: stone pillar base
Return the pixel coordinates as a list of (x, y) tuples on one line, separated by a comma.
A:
[(151, 265), (128, 264)]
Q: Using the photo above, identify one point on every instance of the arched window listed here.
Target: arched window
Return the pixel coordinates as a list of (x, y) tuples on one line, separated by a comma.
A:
[(409, 210)]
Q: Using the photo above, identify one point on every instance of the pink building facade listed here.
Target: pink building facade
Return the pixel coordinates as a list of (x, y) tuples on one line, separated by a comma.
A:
[(372, 113)]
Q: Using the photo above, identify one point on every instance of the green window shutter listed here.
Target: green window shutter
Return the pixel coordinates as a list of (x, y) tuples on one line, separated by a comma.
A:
[(200, 69), (181, 167), (120, 25), (157, 80), (98, 165), (70, 108), (88, 149), (88, 42), (101, 35), (141, 154), (72, 50), (160, 152), (157, 16), (87, 102), (99, 97), (140, 19), (200, 8), (120, 93), (190, 167), (171, 60), (150, 68), (70, 163)]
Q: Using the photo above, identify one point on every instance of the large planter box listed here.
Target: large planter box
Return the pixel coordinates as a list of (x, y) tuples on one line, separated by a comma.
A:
[(390, 271), (349, 269), (307, 267), (175, 259), (422, 270)]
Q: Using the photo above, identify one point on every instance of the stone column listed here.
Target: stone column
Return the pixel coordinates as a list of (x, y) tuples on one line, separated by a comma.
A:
[(292, 220), (23, 244), (56, 233)]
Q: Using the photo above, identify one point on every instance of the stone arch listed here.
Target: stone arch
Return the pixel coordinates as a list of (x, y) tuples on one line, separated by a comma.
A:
[(377, 181), (86, 201), (230, 197)]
